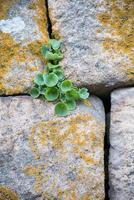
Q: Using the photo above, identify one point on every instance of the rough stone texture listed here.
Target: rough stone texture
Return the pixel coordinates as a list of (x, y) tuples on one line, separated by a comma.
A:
[(97, 41), (23, 30), (45, 157), (121, 166)]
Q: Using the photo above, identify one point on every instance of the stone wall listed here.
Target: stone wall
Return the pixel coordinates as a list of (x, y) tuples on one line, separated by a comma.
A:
[(44, 157)]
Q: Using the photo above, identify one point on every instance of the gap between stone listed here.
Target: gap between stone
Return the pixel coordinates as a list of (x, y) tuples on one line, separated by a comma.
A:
[(107, 106), (49, 24)]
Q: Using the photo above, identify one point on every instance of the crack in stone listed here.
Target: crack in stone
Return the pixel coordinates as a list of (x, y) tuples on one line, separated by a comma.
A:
[(107, 106), (49, 24)]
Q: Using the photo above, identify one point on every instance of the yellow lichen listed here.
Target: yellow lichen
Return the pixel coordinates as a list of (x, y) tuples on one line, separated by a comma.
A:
[(5, 6), (118, 21), (93, 136), (56, 32), (12, 51), (8, 49), (86, 102), (40, 18), (130, 72), (37, 172), (80, 133), (50, 131), (7, 194)]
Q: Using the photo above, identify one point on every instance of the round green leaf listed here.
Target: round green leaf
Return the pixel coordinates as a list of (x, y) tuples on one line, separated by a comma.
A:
[(51, 66), (62, 97), (53, 56), (34, 92), (51, 94), (71, 104), (72, 95), (59, 73), (55, 44), (39, 79), (50, 79), (58, 84), (66, 86), (76, 88), (44, 49), (42, 90), (61, 109), (83, 92)]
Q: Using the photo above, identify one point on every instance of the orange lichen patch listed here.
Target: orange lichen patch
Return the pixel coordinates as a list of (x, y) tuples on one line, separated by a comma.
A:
[(7, 194), (8, 48), (130, 72), (104, 18), (9, 51), (40, 18), (35, 48), (57, 133), (16, 90), (70, 135), (81, 141), (32, 50), (118, 20), (70, 195), (93, 136), (87, 103), (37, 173), (12, 51), (30, 170), (88, 159), (86, 197), (56, 32), (4, 7)]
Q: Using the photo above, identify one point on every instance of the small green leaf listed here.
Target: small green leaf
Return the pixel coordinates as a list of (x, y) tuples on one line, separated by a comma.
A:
[(83, 92), (66, 85), (51, 94), (62, 97), (59, 73), (34, 92), (39, 79), (51, 66), (61, 109), (72, 95), (58, 84), (71, 104), (44, 49), (76, 88), (50, 79), (55, 44), (53, 56), (42, 90)]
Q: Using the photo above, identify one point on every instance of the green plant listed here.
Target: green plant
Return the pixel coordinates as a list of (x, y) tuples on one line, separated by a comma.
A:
[(53, 86)]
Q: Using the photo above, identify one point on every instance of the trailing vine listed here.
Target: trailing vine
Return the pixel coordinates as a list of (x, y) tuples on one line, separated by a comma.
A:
[(53, 86)]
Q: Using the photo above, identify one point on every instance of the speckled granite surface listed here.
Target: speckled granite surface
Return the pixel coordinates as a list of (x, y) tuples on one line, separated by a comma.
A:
[(45, 157)]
